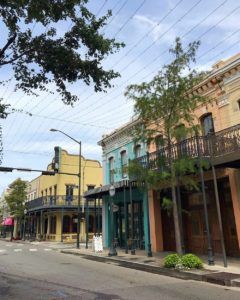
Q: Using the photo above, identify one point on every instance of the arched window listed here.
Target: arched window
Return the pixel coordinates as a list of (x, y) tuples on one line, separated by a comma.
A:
[(66, 224), (137, 150), (53, 220), (111, 170), (207, 124), (124, 163)]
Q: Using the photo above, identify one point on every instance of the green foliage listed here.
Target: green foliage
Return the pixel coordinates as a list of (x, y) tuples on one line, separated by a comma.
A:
[(65, 47), (16, 197), (188, 261), (165, 107), (167, 204), (171, 260), (162, 105), (191, 261)]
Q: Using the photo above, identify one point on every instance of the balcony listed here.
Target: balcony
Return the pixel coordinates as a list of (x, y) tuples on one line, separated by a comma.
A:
[(56, 202), (222, 148)]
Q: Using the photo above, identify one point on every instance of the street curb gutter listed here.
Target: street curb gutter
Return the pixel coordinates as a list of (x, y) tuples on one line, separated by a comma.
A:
[(209, 276), (141, 267)]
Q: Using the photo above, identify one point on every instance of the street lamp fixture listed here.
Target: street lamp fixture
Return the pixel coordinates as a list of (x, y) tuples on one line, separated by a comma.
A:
[(79, 183)]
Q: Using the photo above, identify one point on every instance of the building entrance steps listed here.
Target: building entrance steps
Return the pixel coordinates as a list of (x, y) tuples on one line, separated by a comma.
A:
[(216, 274)]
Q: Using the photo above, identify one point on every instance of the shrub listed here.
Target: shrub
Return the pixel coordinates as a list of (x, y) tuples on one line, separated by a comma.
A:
[(172, 260), (191, 261)]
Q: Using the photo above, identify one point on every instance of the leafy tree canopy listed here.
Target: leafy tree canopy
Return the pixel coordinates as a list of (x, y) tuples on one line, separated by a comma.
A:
[(165, 106), (16, 197), (57, 41), (166, 102)]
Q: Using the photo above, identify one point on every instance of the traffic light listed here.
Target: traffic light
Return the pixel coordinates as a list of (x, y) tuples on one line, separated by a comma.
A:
[(57, 159), (51, 173)]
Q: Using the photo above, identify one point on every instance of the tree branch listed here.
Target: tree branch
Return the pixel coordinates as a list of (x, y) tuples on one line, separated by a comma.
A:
[(9, 42), (13, 59)]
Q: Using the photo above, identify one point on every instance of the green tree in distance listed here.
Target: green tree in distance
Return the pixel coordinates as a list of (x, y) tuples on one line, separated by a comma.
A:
[(17, 197), (165, 106)]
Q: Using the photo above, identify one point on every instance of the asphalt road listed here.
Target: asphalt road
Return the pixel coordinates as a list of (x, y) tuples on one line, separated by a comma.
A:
[(29, 271)]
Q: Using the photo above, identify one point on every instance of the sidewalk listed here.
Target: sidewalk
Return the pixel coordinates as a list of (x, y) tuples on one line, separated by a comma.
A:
[(216, 274)]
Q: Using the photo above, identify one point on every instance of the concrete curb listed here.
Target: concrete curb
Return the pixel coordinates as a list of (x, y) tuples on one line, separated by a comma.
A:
[(141, 267), (214, 277)]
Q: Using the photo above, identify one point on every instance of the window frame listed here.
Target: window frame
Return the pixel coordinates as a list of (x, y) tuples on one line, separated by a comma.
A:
[(124, 163)]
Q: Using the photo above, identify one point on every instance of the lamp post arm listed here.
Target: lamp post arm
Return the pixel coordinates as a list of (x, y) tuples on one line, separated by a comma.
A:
[(70, 137)]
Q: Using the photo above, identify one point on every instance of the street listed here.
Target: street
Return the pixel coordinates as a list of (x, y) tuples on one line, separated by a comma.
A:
[(34, 271)]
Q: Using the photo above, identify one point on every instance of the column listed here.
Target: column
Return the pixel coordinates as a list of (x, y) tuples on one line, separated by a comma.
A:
[(104, 222), (155, 219), (48, 225), (234, 179), (58, 226)]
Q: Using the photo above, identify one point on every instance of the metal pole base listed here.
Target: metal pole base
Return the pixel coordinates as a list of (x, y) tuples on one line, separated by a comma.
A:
[(149, 253), (133, 250), (112, 251), (210, 258), (211, 262)]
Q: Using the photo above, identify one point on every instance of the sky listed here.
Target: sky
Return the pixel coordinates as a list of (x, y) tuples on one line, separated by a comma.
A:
[(148, 28)]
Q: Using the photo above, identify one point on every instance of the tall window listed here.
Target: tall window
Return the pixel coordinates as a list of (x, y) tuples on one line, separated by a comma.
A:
[(159, 142), (50, 194), (66, 224), (74, 224), (69, 192), (55, 192), (137, 151), (111, 170), (53, 221), (180, 132), (124, 163), (207, 124), (238, 103)]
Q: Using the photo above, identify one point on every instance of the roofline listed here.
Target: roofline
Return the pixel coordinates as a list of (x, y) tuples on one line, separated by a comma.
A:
[(118, 130)]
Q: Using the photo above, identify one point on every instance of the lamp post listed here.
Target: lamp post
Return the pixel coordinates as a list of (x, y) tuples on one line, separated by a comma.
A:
[(112, 250), (79, 183)]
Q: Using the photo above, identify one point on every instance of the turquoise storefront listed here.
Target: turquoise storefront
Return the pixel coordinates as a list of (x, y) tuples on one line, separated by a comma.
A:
[(130, 212)]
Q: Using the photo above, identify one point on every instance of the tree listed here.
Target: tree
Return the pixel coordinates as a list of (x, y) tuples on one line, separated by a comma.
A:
[(54, 42), (17, 197), (165, 106)]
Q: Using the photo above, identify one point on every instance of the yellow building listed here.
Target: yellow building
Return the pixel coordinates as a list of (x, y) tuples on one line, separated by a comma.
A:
[(52, 201)]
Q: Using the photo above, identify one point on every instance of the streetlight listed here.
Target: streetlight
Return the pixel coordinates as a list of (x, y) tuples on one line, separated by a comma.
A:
[(79, 182), (112, 250)]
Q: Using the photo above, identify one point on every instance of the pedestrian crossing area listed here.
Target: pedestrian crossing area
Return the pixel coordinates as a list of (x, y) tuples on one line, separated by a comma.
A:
[(17, 247)]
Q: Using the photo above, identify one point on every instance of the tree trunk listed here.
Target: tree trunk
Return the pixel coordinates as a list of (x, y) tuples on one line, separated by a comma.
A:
[(174, 201), (176, 221)]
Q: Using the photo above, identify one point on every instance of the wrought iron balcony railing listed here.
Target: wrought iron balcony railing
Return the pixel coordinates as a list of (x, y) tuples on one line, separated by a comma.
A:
[(57, 201), (212, 146)]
